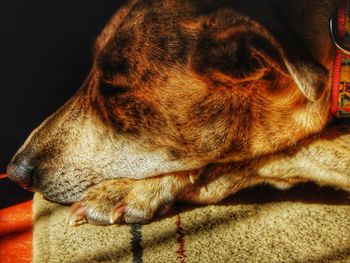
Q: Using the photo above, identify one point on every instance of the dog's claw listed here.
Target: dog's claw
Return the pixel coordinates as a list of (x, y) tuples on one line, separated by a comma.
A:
[(77, 214), (194, 175), (192, 179), (116, 214)]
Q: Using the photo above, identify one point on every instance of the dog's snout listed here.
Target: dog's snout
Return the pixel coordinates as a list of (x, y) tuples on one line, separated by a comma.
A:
[(20, 170)]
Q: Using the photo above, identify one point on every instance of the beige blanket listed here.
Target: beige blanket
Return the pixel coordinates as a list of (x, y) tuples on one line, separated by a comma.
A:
[(305, 224)]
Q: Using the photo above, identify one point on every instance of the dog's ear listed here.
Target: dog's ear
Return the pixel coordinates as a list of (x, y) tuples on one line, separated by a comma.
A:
[(246, 52)]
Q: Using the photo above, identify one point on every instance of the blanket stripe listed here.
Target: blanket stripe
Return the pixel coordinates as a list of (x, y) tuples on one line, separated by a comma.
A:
[(136, 243), (180, 240)]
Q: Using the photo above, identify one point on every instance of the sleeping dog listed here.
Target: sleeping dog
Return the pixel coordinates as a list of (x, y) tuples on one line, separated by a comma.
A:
[(192, 101)]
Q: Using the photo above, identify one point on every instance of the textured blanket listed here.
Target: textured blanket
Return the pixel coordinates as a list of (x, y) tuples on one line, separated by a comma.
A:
[(304, 224)]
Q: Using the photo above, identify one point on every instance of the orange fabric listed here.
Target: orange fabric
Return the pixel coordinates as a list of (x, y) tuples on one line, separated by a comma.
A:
[(3, 176), (16, 225)]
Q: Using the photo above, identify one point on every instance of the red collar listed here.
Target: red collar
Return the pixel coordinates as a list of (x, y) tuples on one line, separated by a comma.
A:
[(340, 32)]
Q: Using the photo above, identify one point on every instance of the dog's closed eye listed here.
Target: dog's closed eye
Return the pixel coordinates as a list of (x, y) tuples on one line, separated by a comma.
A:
[(110, 89)]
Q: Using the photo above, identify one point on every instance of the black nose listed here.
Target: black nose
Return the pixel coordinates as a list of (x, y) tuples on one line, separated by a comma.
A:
[(21, 171)]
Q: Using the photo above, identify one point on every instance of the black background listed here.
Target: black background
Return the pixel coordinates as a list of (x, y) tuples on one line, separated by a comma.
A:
[(45, 55)]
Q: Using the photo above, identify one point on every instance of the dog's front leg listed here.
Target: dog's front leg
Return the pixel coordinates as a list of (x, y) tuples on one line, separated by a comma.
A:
[(324, 160)]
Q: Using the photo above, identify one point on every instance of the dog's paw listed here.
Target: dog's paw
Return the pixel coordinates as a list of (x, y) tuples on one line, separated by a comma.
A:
[(122, 201)]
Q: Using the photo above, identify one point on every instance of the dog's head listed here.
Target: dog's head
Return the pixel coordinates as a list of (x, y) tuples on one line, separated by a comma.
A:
[(174, 86)]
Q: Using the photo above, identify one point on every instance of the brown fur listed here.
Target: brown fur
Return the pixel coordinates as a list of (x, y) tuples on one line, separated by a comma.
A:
[(214, 88)]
